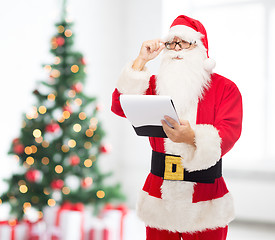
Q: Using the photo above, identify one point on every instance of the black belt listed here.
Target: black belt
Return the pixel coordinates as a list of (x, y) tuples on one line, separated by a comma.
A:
[(169, 167)]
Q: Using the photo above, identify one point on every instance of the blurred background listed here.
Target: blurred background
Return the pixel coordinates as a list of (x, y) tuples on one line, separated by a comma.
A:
[(241, 35)]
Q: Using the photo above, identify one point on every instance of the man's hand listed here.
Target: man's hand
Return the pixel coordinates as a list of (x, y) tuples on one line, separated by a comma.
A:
[(180, 133), (149, 50)]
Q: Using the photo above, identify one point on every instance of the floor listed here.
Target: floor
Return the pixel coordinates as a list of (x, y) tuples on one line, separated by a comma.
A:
[(251, 231)]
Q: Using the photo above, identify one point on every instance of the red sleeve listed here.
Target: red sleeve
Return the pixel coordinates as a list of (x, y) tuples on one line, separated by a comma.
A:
[(116, 106), (228, 120)]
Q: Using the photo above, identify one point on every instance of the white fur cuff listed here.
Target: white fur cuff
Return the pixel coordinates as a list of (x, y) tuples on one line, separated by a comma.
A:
[(208, 149), (132, 81)]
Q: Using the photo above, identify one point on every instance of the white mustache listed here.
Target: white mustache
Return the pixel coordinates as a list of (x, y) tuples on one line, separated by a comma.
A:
[(174, 54)]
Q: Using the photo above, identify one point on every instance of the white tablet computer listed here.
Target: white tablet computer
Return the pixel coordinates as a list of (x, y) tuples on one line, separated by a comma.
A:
[(145, 113)]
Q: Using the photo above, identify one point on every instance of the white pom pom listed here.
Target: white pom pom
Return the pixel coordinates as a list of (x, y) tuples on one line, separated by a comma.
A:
[(209, 64)]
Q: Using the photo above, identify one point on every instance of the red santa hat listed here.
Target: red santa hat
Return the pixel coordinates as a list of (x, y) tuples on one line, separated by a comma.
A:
[(191, 30)]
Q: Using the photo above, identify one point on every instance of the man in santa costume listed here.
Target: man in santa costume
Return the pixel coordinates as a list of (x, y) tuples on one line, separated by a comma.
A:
[(185, 195)]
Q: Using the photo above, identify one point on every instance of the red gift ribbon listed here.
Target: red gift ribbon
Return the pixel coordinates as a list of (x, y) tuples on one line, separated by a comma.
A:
[(72, 207), (30, 225), (123, 209), (15, 222), (105, 234)]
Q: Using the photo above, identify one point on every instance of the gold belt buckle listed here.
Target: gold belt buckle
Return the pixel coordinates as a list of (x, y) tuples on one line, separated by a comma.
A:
[(173, 168)]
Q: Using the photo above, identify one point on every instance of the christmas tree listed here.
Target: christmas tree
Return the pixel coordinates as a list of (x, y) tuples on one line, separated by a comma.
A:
[(61, 140)]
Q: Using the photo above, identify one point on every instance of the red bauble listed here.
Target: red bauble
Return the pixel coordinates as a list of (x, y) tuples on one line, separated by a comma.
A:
[(60, 41), (77, 87), (16, 141), (18, 148), (86, 182), (67, 108), (82, 60), (57, 184), (74, 160), (99, 107), (105, 148), (52, 127), (33, 175)]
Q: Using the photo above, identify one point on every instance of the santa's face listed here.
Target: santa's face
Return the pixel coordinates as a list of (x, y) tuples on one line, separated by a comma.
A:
[(182, 75)]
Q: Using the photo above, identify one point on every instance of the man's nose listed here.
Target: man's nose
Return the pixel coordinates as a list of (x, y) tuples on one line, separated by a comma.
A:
[(177, 48)]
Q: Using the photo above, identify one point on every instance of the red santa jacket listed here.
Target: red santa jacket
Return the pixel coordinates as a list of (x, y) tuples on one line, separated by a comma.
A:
[(218, 127)]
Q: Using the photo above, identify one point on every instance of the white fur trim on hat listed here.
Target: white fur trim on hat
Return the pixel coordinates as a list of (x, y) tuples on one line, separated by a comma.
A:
[(184, 32), (209, 64), (182, 216), (132, 81)]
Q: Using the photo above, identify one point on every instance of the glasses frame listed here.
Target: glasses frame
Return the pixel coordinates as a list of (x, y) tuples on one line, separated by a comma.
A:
[(167, 44)]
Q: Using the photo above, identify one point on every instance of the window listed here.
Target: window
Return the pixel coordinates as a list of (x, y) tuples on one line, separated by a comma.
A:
[(240, 35)]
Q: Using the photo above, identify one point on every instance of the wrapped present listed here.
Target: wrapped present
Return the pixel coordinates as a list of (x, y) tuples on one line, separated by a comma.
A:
[(13, 230), (99, 231), (23, 230), (110, 224), (36, 230), (65, 222), (114, 218), (52, 231)]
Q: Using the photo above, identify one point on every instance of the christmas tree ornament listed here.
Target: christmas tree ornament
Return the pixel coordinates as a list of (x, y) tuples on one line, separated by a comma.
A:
[(99, 107), (51, 202), (100, 194), (42, 109), (54, 43), (68, 33), (30, 161), (52, 127), (73, 182), (57, 184), (33, 175), (83, 61), (60, 41), (86, 182), (75, 68), (18, 148), (23, 188), (105, 148), (68, 109), (16, 141), (36, 133), (48, 68), (51, 97), (60, 29), (88, 163), (77, 127), (58, 169), (77, 87), (56, 195), (55, 73), (74, 160)]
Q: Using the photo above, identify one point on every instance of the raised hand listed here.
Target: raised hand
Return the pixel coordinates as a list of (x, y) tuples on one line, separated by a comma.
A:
[(149, 50)]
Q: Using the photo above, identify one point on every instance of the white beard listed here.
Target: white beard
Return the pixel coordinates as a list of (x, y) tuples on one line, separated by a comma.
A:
[(184, 80)]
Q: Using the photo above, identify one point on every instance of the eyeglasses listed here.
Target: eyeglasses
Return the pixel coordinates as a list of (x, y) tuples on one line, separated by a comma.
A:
[(182, 44)]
